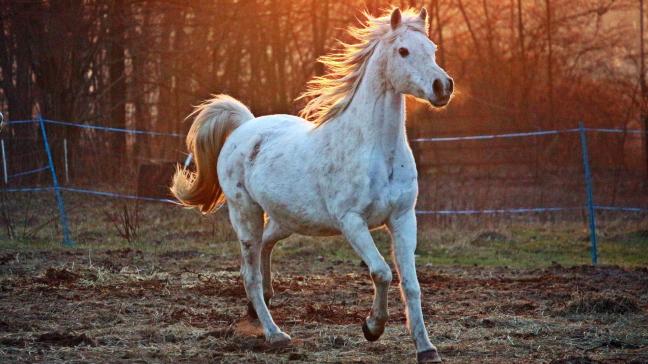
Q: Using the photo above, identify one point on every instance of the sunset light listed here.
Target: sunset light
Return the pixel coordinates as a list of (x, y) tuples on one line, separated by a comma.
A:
[(322, 181)]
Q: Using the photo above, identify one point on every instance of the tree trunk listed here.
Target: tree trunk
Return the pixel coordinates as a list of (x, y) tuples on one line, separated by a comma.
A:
[(550, 82), (118, 82), (319, 22), (642, 84), (439, 32)]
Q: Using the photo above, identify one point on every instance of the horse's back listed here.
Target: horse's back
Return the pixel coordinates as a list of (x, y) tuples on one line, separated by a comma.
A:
[(270, 160), (272, 124)]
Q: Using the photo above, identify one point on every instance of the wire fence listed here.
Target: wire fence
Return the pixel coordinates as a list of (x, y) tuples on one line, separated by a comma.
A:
[(25, 171)]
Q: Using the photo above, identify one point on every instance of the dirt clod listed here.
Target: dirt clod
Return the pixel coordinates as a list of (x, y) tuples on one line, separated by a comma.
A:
[(575, 360), (297, 356), (6, 258), (595, 303), (218, 333), (55, 277), (65, 339)]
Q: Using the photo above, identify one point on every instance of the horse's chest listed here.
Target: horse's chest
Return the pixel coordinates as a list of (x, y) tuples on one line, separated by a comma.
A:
[(390, 187)]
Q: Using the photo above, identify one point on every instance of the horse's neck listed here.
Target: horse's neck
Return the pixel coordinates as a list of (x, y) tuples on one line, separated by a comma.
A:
[(375, 116)]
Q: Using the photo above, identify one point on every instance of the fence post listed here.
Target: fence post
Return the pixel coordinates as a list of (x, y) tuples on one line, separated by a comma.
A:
[(65, 159), (57, 191), (4, 162), (187, 161), (591, 212)]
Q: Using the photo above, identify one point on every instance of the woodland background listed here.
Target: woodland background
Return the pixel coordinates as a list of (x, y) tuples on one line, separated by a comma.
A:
[(519, 65)]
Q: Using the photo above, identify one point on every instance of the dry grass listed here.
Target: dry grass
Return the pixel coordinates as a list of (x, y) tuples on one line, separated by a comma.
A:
[(186, 306), (597, 303), (493, 291)]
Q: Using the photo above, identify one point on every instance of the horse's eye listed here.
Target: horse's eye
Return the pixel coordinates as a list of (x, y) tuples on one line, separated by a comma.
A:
[(403, 52)]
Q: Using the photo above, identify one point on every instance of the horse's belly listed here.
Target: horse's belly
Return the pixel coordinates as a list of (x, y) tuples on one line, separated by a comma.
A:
[(297, 208), (377, 213), (303, 222)]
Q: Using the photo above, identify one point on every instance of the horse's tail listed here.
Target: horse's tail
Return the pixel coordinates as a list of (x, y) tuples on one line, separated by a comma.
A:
[(214, 120)]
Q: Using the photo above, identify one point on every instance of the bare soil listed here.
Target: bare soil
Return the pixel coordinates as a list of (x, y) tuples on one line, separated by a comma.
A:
[(187, 306)]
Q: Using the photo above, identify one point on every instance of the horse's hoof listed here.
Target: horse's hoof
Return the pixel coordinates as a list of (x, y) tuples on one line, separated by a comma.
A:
[(279, 340), (368, 334), (428, 356)]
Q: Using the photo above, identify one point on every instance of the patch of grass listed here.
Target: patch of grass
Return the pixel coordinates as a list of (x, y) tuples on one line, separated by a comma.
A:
[(530, 246), (164, 228)]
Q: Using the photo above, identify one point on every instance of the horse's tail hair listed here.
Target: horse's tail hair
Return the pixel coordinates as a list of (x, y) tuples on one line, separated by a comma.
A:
[(214, 120)]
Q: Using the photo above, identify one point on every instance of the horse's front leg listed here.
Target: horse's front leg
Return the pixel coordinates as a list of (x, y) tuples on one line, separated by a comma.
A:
[(403, 230), (355, 230)]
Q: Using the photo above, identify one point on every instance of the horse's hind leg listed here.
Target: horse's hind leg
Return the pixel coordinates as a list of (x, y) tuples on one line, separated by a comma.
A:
[(247, 220), (272, 233)]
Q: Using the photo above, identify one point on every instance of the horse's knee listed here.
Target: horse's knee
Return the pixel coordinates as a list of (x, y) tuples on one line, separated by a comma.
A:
[(382, 275), (248, 280), (411, 290), (249, 276)]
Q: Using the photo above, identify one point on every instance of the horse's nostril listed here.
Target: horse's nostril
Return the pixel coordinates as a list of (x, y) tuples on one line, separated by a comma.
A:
[(437, 87), (450, 85)]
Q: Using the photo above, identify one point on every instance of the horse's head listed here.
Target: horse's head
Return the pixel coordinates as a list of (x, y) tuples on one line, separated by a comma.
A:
[(411, 65)]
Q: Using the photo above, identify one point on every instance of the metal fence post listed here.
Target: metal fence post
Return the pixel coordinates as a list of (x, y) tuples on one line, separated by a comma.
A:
[(591, 212), (187, 161), (4, 162), (67, 240), (65, 159)]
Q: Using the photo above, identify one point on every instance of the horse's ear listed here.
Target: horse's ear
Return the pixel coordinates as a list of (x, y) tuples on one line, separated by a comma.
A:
[(395, 18), (423, 14)]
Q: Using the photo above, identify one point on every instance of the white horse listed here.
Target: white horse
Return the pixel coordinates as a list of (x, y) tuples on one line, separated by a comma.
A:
[(348, 171)]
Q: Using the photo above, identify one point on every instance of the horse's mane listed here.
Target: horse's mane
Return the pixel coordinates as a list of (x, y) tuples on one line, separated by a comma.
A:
[(330, 94)]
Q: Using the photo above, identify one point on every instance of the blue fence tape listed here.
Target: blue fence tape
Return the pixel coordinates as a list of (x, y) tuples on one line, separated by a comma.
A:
[(619, 131), (620, 208), (524, 134), (25, 173), (420, 212), (495, 136), (27, 189), (437, 139), (116, 195), (18, 122), (496, 211), (119, 130)]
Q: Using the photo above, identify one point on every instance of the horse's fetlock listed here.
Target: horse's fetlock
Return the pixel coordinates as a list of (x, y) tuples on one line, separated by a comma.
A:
[(267, 296), (381, 318)]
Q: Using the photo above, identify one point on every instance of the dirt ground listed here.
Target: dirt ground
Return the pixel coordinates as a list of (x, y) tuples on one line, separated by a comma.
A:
[(186, 306)]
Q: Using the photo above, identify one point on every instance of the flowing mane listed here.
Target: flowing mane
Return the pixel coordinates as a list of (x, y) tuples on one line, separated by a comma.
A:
[(330, 94)]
